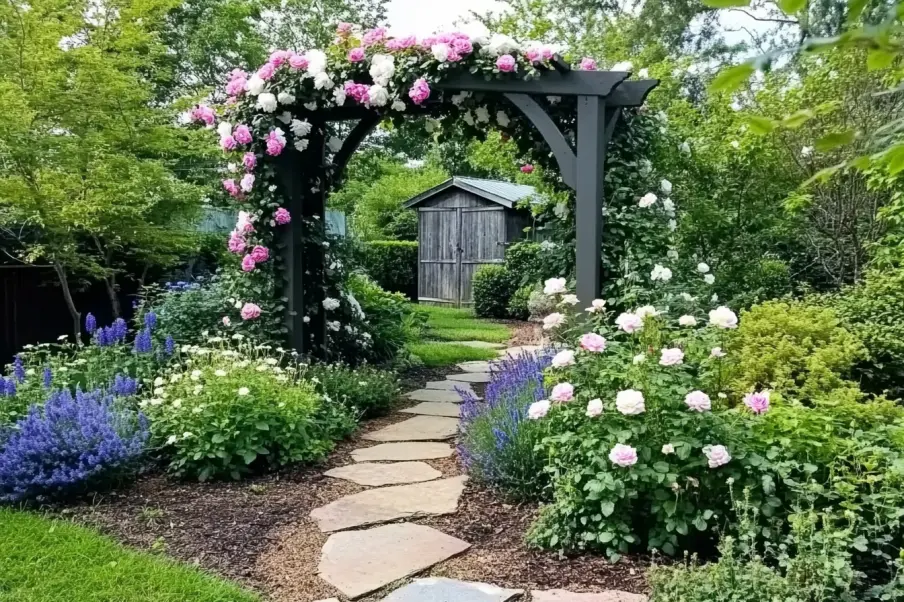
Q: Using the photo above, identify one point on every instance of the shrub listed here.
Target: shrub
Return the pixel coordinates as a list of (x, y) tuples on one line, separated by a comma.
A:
[(518, 307), (392, 264), (493, 288), (69, 444), (498, 441), (539, 305), (796, 348), (388, 321), (226, 412), (874, 311), (363, 390)]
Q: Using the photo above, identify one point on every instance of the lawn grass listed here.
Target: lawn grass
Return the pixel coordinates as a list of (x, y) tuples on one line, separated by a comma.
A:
[(45, 560), (436, 353), (454, 324), (488, 334)]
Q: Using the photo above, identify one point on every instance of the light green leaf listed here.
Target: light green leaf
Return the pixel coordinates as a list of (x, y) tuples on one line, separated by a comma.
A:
[(606, 537), (797, 119), (834, 140), (879, 59), (732, 78), (760, 125), (791, 7), (607, 508), (725, 3), (249, 457), (262, 426)]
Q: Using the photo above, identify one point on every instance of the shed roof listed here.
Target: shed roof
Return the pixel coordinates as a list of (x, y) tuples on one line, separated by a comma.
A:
[(496, 191)]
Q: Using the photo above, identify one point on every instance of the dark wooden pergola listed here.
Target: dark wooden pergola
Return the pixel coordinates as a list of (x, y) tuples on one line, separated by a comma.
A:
[(601, 97)]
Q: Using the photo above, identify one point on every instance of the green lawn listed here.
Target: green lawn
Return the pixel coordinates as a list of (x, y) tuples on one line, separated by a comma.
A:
[(45, 560), (452, 324)]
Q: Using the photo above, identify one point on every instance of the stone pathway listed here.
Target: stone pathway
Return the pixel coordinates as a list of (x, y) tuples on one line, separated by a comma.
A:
[(403, 487)]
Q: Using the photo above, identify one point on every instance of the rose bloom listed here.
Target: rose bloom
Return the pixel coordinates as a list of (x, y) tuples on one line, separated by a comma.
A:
[(639, 358), (250, 311), (282, 216), (594, 408), (563, 359), (242, 134), (702, 268), (538, 409), (248, 263), (668, 448), (553, 320), (717, 352), (569, 299), (671, 357), (554, 286), (723, 317), (506, 63), (717, 455), (226, 321), (356, 55), (646, 310), (687, 321), (698, 401), (588, 64), (630, 323), (527, 168), (260, 254), (623, 455), (647, 200), (597, 305), (758, 401), (593, 342), (630, 402), (562, 392)]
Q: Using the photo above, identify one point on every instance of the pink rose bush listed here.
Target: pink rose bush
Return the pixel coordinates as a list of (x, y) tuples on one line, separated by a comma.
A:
[(250, 311)]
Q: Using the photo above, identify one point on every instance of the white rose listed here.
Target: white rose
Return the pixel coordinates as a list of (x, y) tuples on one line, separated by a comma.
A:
[(647, 200), (382, 68), (397, 105), (224, 128), (553, 320), (300, 128), (502, 119), (322, 81), (377, 96), (563, 359), (339, 96), (666, 187), (301, 145), (468, 118), (255, 85), (285, 98), (723, 317), (334, 144), (639, 358), (266, 102), (643, 73), (244, 391), (709, 278), (594, 408), (569, 299), (554, 286), (630, 402), (440, 52), (622, 66), (483, 116), (687, 320), (316, 61), (702, 268), (806, 151)]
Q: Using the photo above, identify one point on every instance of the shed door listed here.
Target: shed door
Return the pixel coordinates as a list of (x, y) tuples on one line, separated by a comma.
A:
[(439, 232), (482, 242)]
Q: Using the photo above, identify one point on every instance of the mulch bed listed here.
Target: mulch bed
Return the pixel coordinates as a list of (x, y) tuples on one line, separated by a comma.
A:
[(257, 531)]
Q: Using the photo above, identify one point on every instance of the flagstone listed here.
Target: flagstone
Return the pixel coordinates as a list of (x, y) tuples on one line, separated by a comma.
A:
[(419, 428), (520, 349), (449, 385), (471, 377), (390, 503), (560, 595), (428, 408), (437, 395), (359, 562), (475, 366), (451, 590), (398, 452), (377, 475)]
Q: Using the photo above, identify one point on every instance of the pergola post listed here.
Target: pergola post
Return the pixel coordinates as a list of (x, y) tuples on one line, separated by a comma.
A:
[(591, 158)]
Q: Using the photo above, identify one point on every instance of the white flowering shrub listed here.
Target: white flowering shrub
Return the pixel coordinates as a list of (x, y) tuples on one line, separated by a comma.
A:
[(228, 410), (365, 390)]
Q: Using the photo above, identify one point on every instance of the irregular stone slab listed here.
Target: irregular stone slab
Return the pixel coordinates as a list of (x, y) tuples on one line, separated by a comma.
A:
[(399, 452), (419, 428), (478, 344), (449, 385), (329, 600), (428, 408), (519, 349), (437, 395), (389, 503), (377, 475), (451, 590), (474, 366), (560, 595), (471, 377), (359, 562)]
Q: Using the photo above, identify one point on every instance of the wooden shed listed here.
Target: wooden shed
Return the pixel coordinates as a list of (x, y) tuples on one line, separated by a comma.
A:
[(463, 224)]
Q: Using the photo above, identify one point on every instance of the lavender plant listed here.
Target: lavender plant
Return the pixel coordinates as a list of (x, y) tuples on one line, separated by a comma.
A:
[(69, 443), (498, 441)]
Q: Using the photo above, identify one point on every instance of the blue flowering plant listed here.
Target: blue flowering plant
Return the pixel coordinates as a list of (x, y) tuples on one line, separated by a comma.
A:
[(499, 442), (68, 444)]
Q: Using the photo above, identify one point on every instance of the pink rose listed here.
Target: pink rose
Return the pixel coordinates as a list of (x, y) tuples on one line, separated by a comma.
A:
[(226, 321), (343, 29), (298, 62), (266, 71), (562, 392), (593, 342), (717, 455), (398, 44), (594, 408), (247, 182), (247, 263), (630, 323), (357, 92), (276, 142), (758, 402), (249, 160), (527, 168), (462, 46), (243, 223), (356, 55), (373, 36), (260, 254), (419, 92), (671, 357), (546, 53), (698, 401), (506, 63), (533, 55), (538, 409), (203, 113), (623, 455), (236, 243), (250, 311), (242, 134), (279, 57), (588, 64), (227, 143), (282, 216), (236, 86), (231, 187)]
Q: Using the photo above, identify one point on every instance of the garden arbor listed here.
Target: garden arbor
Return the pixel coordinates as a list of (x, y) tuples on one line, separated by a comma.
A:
[(600, 96)]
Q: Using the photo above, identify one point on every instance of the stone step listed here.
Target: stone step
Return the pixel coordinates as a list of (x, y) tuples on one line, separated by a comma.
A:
[(378, 475), (399, 452), (471, 377), (428, 408), (359, 562), (439, 589), (449, 385), (560, 595), (390, 503), (419, 428), (475, 366), (435, 395), (520, 349)]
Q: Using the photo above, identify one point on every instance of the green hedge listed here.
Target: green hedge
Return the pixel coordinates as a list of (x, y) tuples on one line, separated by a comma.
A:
[(392, 264), (493, 288)]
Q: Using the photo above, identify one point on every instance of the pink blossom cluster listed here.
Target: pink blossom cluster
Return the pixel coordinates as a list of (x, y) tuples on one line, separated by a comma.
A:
[(588, 64), (357, 92), (538, 54), (203, 113), (527, 168), (399, 44), (356, 55), (238, 80), (276, 142), (257, 255), (282, 216), (343, 30), (232, 187), (419, 92), (758, 401), (373, 36), (250, 311), (506, 63)]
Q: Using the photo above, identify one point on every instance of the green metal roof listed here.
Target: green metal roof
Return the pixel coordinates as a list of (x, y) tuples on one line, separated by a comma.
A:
[(506, 194)]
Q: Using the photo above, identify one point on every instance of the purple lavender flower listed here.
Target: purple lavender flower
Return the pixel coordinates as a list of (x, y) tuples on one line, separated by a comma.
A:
[(150, 320), (120, 328), (10, 387), (2, 386), (90, 323), (69, 443), (124, 386), (19, 368), (143, 343), (48, 377), (169, 346)]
